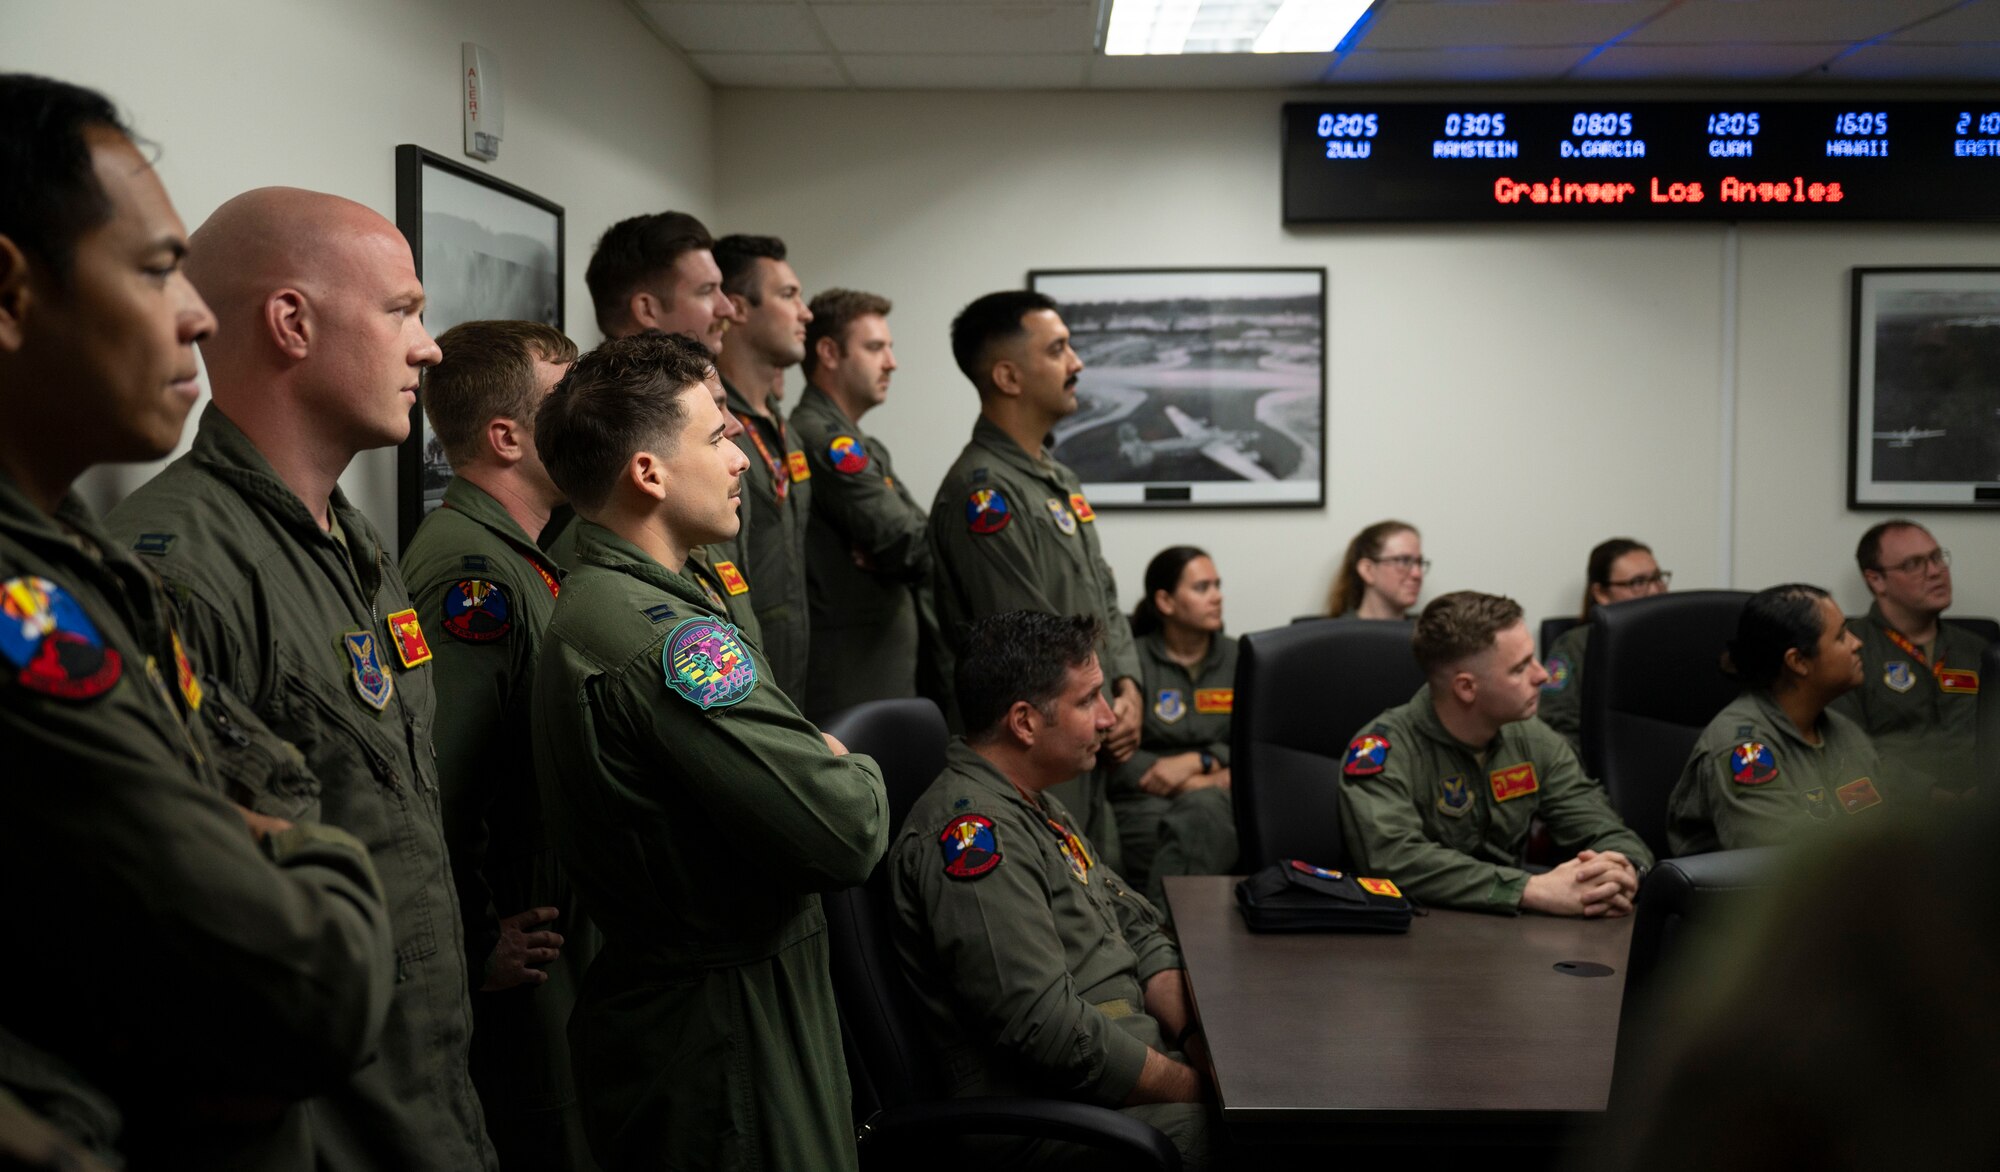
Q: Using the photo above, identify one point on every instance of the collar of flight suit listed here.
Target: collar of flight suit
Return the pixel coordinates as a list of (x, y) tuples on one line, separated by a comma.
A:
[(745, 414), (479, 506), (961, 758), (1781, 724), (598, 546), (1154, 645), (1425, 720), (987, 434), (814, 401)]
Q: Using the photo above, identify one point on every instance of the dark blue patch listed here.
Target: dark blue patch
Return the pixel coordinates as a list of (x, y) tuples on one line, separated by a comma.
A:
[(474, 561), (154, 543), (660, 613)]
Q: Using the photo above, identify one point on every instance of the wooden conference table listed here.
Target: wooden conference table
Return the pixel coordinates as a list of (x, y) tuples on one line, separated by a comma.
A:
[(1462, 1031)]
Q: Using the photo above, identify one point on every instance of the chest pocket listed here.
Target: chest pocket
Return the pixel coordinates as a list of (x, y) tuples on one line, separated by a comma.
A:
[(258, 768)]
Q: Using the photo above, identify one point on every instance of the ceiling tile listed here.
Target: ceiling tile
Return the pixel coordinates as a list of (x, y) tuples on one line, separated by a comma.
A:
[(736, 28), (1209, 71), (1978, 21), (1455, 66), (962, 72), (1705, 22), (1917, 63), (770, 70), (1670, 63), (959, 28), (1500, 22)]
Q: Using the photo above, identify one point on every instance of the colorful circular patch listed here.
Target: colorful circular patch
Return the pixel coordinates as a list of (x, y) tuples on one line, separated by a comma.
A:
[(44, 633), (971, 846), (1559, 673), (707, 665), (1752, 763), (847, 454), (477, 611), (1366, 755), (986, 511)]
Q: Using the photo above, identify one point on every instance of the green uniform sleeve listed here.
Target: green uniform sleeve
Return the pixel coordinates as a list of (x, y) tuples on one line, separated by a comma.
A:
[(865, 509), (1121, 654), (1385, 837), (1575, 809), (1143, 928), (1770, 814)]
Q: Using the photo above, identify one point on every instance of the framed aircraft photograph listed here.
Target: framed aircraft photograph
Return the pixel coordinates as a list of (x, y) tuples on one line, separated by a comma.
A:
[(1201, 388)]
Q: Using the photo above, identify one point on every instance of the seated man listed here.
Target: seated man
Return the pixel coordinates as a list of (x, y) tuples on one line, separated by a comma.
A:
[(1040, 970), (1919, 689), (1438, 794)]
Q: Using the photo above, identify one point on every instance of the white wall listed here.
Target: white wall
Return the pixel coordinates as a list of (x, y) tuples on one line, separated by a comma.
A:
[(601, 117), (1519, 394)]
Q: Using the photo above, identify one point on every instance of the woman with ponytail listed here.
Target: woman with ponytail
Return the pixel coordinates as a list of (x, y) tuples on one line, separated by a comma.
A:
[(1381, 573)]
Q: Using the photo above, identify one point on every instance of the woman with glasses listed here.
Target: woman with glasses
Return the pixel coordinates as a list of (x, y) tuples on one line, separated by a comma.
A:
[(1777, 762), (1619, 569), (1381, 574)]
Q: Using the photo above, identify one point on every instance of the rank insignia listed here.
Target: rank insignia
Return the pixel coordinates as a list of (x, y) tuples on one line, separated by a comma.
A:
[(364, 663), (795, 462), (476, 562), (1366, 755), (732, 578), (1559, 673), (707, 665), (155, 544), (411, 646), (1305, 868), (1513, 781), (1081, 508), (1898, 676), (1752, 763), (970, 845), (44, 633), (847, 454), (663, 612), (1169, 706), (477, 611), (1073, 853), (1454, 796), (1858, 795), (1065, 520), (1816, 804), (1210, 701), (1379, 887), (986, 511), (1958, 679), (184, 674)]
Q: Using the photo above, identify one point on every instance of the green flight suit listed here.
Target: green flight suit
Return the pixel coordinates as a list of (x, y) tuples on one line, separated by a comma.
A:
[(1920, 709), (715, 569), (864, 619), (1420, 807), (777, 495), (203, 981), (1010, 530), (485, 593), (1562, 696), (300, 625), (1730, 795), (1186, 711), (1029, 956), (707, 1034)]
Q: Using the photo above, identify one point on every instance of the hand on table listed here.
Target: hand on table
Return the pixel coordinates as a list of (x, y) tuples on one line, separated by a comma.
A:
[(1594, 883)]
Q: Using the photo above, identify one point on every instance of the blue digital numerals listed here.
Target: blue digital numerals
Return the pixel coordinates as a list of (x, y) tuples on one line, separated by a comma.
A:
[(1347, 135), (1733, 125), (1854, 123), (1481, 125), (1601, 125)]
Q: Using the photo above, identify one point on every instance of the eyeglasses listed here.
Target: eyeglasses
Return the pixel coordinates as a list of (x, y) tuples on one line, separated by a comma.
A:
[(1936, 559), (1404, 562), (1644, 581)]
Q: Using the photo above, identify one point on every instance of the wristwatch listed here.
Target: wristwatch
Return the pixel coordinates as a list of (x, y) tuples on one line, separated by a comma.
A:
[(1207, 761)]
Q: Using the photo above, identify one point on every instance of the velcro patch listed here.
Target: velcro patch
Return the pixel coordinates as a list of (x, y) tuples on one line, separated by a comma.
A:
[(1897, 676), (1559, 673), (732, 578), (971, 846), (477, 611), (1513, 781), (1858, 795), (987, 511), (847, 455), (1379, 887), (364, 664), (53, 642), (408, 635), (473, 561), (660, 613), (707, 665), (796, 462), (1214, 700), (1958, 679), (184, 675), (1081, 507), (1454, 796), (1366, 755), (153, 543), (1752, 763), (1060, 514)]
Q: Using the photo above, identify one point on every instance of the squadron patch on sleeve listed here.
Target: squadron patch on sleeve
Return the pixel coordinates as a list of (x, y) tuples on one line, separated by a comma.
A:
[(411, 646), (1366, 755), (1559, 673), (847, 455), (46, 635), (707, 665), (970, 845), (1752, 763), (477, 611), (987, 511)]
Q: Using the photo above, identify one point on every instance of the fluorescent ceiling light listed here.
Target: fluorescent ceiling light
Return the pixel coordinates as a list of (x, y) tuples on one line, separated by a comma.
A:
[(1140, 27)]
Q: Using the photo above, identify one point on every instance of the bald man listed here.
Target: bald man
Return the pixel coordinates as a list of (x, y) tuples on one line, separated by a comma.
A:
[(297, 605)]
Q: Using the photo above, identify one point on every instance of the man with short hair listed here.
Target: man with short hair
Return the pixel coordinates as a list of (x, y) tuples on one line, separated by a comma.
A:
[(658, 272), (1919, 693), (1040, 971), (297, 606), (485, 588), (191, 969), (1010, 529), (698, 812), (1438, 794), (770, 340), (866, 556)]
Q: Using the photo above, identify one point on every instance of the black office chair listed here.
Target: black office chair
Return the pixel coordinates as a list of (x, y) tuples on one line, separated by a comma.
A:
[(1652, 682), (899, 1115), (1986, 739), (1682, 904), (1302, 692), (1987, 629), (1553, 629)]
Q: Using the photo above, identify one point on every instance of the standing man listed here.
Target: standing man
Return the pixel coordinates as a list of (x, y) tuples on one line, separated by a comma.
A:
[(1438, 794), (193, 969), (1919, 693), (297, 606), (867, 561), (486, 591), (778, 493), (1010, 528), (699, 813)]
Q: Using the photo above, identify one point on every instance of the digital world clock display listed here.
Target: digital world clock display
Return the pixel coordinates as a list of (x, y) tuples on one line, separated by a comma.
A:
[(1606, 161)]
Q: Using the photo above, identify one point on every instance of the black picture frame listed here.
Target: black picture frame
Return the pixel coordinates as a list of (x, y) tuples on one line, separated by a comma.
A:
[(1924, 389), (1174, 357), (484, 248)]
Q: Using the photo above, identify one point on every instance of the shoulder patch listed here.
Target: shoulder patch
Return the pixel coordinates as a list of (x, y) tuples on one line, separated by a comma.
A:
[(706, 665), (660, 613), (847, 455), (1752, 763), (795, 463), (970, 845), (1513, 781), (1366, 755), (53, 643), (364, 665), (732, 578), (477, 611), (153, 543), (1559, 673), (987, 511), (473, 561)]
